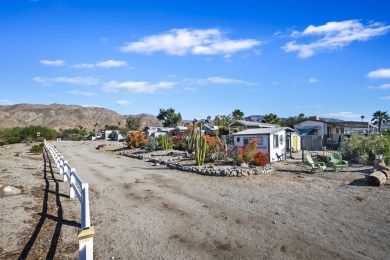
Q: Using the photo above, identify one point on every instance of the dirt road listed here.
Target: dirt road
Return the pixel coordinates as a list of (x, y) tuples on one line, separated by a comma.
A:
[(142, 211)]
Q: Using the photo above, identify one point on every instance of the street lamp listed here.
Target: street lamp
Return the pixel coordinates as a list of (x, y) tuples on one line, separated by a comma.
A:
[(38, 135)]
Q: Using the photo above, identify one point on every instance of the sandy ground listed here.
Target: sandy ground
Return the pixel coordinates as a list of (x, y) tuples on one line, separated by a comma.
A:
[(141, 211)]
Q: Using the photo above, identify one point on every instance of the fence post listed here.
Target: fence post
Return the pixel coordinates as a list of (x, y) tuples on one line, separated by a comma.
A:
[(85, 216), (57, 159), (86, 243), (66, 171), (72, 181), (62, 165)]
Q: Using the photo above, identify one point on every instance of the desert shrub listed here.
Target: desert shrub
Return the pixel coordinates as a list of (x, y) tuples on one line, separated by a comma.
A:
[(36, 148), (179, 143), (72, 134), (366, 147), (246, 154), (152, 145), (165, 142), (26, 134), (215, 147), (136, 139), (260, 158)]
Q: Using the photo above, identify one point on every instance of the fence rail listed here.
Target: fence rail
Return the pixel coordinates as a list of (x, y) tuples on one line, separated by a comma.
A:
[(79, 189)]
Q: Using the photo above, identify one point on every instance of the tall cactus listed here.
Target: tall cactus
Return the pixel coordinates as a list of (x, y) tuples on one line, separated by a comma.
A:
[(200, 148), (190, 141)]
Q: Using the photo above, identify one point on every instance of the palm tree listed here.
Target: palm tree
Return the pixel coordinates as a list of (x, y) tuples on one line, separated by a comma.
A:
[(380, 117), (208, 120), (271, 119), (362, 117), (237, 114)]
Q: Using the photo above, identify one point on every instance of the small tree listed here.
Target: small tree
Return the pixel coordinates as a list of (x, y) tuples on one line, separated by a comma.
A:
[(133, 123), (170, 118)]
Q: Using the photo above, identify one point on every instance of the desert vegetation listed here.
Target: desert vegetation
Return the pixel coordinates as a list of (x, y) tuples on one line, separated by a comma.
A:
[(26, 134), (364, 148)]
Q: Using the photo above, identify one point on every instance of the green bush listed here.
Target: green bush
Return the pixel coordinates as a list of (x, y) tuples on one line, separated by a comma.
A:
[(26, 134), (366, 147), (37, 148)]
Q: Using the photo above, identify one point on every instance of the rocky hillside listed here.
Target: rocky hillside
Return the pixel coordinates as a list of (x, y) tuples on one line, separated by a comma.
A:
[(58, 116)]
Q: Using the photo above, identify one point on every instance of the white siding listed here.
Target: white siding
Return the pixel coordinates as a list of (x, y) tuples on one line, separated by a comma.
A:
[(277, 150), (239, 141)]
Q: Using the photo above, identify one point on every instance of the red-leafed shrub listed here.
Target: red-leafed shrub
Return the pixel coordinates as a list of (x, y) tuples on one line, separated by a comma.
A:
[(178, 142), (136, 139), (215, 147), (246, 154), (261, 158)]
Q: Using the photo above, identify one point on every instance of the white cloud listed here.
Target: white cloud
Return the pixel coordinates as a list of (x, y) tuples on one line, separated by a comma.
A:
[(136, 86), (5, 102), (381, 73), (221, 80), (111, 63), (191, 89), (312, 80), (122, 102), (55, 63), (387, 97), (344, 116), (187, 41), (91, 106), (384, 86), (216, 80), (68, 80), (81, 93), (102, 64), (334, 35), (83, 65)]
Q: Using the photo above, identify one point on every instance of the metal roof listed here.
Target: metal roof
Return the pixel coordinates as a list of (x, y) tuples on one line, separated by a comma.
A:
[(262, 131), (250, 123)]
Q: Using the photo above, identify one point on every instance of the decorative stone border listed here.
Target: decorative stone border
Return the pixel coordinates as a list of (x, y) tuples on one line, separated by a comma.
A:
[(234, 171)]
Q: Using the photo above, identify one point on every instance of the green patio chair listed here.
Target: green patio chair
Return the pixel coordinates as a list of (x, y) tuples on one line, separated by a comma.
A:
[(338, 162), (315, 165)]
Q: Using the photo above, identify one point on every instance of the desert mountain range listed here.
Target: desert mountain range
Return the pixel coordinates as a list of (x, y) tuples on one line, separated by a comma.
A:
[(59, 116)]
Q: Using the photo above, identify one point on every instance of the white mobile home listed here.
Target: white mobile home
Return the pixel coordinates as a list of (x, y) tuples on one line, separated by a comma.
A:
[(270, 140)]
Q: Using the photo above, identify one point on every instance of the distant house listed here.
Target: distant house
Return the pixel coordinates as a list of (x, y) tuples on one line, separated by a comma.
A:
[(113, 135), (155, 131), (238, 125), (319, 132), (179, 131), (210, 129), (273, 140)]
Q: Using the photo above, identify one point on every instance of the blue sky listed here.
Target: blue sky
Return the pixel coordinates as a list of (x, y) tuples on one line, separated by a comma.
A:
[(202, 58)]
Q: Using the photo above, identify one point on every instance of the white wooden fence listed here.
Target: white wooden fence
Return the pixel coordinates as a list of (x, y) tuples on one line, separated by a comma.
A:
[(80, 189)]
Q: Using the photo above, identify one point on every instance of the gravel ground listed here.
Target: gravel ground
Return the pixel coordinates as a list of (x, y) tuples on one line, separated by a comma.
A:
[(141, 211)]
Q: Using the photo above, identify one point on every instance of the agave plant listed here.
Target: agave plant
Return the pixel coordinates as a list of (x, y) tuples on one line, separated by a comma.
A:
[(152, 145)]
